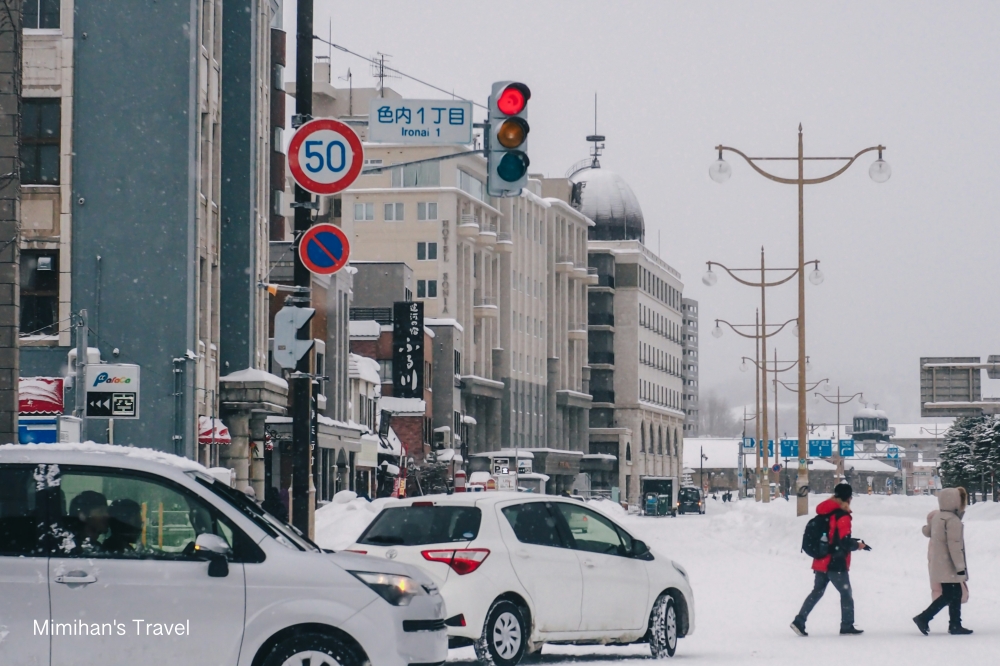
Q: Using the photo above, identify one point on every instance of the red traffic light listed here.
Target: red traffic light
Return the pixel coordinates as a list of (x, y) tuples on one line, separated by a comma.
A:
[(513, 99)]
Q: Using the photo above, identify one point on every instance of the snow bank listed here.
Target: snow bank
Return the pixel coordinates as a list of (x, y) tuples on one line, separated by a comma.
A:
[(341, 522)]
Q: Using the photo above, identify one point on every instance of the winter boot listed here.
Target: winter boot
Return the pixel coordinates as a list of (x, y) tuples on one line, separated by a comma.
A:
[(849, 630), (922, 624), (798, 625), (959, 630)]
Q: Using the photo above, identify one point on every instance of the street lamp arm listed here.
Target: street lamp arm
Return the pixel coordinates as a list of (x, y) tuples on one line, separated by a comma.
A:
[(732, 273), (808, 388), (838, 402), (758, 365), (795, 181), (755, 337)]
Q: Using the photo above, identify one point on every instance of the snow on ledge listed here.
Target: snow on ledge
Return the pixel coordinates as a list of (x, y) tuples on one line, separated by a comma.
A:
[(403, 406), (255, 375)]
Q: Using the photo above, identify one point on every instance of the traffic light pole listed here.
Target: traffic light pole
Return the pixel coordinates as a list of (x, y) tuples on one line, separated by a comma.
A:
[(303, 491)]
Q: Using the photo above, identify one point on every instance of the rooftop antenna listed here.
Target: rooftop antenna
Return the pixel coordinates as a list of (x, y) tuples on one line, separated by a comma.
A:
[(381, 71), (350, 91), (597, 140)]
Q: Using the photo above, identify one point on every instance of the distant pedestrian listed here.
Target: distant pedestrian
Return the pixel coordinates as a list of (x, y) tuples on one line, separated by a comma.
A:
[(946, 561), (834, 567)]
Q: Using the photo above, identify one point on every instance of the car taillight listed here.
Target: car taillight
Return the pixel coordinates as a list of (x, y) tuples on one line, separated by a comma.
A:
[(461, 561), (359, 552)]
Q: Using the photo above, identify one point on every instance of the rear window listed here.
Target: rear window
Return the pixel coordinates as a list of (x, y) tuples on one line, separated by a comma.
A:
[(421, 525), (690, 494)]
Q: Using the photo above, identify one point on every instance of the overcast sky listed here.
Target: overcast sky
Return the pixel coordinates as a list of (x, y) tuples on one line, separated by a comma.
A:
[(911, 266)]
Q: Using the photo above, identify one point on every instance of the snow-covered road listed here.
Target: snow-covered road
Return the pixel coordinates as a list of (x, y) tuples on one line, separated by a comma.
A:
[(749, 580)]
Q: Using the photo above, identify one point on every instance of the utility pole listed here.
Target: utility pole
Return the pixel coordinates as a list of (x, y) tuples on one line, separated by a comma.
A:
[(10, 213), (82, 344), (303, 490)]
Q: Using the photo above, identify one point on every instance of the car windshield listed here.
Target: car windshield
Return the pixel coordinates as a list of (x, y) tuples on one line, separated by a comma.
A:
[(421, 525), (689, 495), (282, 532)]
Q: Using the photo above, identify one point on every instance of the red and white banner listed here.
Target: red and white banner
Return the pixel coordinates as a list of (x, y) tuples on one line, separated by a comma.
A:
[(213, 431), (40, 395)]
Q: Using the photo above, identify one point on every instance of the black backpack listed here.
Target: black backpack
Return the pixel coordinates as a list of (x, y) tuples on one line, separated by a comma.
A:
[(816, 539)]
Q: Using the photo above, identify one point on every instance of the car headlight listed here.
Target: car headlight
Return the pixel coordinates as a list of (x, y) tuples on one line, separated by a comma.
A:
[(397, 590), (680, 569)]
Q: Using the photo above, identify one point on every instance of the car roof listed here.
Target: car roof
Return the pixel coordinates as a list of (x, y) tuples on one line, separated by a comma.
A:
[(482, 499), (101, 455)]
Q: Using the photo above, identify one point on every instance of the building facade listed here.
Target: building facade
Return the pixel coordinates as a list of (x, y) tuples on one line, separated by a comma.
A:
[(689, 362)]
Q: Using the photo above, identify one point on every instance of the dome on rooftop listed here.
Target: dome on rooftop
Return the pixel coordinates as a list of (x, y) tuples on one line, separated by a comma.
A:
[(608, 200)]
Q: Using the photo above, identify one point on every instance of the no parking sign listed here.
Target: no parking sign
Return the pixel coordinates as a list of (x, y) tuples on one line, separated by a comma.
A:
[(324, 249)]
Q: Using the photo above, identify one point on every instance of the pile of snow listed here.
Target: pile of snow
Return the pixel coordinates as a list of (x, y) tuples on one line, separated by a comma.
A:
[(608, 508), (341, 522)]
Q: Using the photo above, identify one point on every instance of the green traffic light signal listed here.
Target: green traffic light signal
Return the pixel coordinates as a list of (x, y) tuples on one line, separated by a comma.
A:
[(513, 166)]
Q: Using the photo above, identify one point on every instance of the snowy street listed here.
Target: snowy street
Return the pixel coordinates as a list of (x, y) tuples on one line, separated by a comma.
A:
[(749, 580)]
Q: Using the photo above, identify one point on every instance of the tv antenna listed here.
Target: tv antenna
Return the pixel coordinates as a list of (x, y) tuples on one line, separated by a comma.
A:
[(597, 140), (380, 70)]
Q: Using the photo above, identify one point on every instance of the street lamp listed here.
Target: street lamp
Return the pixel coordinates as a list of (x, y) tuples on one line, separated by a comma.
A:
[(838, 459), (879, 172), (789, 365), (709, 278)]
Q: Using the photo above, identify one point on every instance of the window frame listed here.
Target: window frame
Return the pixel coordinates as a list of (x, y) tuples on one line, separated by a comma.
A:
[(626, 551), (36, 145)]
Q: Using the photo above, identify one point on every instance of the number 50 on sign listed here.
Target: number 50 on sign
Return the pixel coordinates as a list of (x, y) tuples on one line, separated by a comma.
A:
[(325, 156)]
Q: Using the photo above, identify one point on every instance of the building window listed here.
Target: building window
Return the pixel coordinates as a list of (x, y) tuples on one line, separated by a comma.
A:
[(385, 371), (364, 212), (458, 362), (427, 211), (41, 14), (39, 292), (393, 212), (40, 141), (417, 175), (427, 288), (470, 185), (427, 251)]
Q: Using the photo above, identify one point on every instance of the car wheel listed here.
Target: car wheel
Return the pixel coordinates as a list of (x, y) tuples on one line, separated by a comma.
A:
[(312, 650), (663, 633), (505, 636)]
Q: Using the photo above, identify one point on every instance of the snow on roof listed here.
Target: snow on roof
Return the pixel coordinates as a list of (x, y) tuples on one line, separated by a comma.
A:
[(278, 419), (255, 375), (599, 456), (430, 321), (505, 453), (151, 455), (428, 332), (365, 329), (403, 406), (364, 368), (449, 455), (868, 466)]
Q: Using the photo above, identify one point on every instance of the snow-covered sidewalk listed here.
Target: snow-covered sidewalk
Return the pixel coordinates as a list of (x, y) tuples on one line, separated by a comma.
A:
[(749, 580)]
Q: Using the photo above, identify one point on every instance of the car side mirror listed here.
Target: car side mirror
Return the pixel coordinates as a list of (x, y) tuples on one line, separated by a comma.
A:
[(214, 548), (640, 550)]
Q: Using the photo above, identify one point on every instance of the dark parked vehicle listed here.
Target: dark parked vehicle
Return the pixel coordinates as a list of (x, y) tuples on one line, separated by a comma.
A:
[(691, 500)]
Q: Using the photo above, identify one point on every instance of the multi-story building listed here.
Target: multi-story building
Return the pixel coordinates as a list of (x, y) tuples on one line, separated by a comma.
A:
[(128, 190), (636, 349), (689, 362)]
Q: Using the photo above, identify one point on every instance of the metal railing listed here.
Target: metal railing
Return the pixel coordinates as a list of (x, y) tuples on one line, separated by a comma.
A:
[(503, 236)]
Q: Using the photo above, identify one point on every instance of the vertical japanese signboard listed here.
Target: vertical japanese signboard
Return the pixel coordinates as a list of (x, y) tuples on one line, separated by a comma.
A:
[(408, 350)]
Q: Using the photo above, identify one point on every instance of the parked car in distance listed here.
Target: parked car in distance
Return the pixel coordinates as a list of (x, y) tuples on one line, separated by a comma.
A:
[(690, 500), (518, 571), (113, 554)]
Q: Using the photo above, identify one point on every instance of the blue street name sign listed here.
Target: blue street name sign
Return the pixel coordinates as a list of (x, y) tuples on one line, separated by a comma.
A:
[(846, 448)]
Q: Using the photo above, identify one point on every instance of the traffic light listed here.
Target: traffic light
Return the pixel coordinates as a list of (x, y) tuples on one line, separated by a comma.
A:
[(506, 152), (288, 349)]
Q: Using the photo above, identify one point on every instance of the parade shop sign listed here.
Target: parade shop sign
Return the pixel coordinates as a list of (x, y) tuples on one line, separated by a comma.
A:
[(420, 121), (408, 349)]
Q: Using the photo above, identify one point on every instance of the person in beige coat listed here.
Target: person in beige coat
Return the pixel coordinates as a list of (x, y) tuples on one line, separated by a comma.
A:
[(946, 560)]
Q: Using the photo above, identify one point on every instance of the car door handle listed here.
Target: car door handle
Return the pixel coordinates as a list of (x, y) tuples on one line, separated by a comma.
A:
[(588, 563), (523, 554), (76, 578)]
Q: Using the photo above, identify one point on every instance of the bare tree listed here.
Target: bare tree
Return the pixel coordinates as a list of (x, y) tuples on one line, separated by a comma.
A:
[(717, 417)]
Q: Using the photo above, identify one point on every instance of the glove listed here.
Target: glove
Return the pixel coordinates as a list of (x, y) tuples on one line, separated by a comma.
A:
[(962, 572)]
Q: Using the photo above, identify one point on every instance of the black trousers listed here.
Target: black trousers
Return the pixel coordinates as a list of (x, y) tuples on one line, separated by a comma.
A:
[(842, 582), (951, 596)]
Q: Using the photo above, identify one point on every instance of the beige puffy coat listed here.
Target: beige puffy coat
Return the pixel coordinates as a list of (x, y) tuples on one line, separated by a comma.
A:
[(946, 551)]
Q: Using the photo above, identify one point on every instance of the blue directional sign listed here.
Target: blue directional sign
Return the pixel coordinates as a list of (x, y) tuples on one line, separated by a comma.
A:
[(846, 448), (748, 443), (820, 448), (770, 447), (892, 452), (789, 448)]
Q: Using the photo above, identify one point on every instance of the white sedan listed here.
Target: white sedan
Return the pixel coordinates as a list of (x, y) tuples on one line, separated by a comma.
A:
[(520, 571)]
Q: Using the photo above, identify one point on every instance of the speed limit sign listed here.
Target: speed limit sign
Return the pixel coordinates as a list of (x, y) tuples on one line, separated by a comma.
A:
[(325, 156)]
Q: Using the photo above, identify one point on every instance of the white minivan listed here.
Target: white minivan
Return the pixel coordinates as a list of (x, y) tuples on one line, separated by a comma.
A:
[(519, 570), (116, 555)]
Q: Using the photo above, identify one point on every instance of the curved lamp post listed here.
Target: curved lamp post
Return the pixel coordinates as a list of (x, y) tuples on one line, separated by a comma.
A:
[(838, 459), (879, 171)]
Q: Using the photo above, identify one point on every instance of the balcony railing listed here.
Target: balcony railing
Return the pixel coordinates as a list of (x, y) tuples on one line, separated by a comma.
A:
[(602, 357), (504, 237), (600, 319), (606, 281)]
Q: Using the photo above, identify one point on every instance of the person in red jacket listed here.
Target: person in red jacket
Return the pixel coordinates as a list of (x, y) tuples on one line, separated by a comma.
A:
[(834, 567)]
